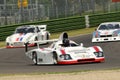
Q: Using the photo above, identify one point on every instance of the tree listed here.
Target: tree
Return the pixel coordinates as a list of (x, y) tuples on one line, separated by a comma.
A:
[(1, 1)]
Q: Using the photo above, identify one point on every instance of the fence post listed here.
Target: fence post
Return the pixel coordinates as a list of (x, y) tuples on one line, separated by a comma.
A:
[(87, 21), (5, 12)]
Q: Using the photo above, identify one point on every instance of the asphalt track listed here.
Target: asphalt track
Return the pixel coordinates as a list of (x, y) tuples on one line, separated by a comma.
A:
[(14, 60)]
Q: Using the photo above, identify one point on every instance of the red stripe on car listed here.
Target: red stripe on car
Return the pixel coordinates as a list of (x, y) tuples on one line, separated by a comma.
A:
[(96, 48), (17, 39), (62, 51)]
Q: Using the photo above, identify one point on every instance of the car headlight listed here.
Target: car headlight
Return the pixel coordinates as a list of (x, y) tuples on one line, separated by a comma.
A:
[(65, 57), (96, 34), (115, 34), (62, 57), (98, 54)]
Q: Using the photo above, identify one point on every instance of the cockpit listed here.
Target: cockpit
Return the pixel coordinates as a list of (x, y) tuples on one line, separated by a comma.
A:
[(109, 26), (70, 45), (25, 30), (60, 44)]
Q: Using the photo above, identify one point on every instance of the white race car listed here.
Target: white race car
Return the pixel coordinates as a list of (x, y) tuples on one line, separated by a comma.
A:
[(65, 51), (27, 33), (108, 31)]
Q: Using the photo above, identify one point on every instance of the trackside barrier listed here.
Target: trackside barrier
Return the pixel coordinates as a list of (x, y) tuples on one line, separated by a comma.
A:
[(53, 26), (65, 24), (96, 19)]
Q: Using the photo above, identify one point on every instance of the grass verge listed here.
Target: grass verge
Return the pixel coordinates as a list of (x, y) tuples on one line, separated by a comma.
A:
[(75, 32), (2, 44), (58, 73)]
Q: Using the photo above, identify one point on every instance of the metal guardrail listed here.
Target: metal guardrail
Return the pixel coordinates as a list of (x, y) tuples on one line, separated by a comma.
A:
[(65, 24), (56, 25)]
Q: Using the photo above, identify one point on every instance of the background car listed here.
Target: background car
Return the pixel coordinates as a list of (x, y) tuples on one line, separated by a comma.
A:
[(27, 33), (108, 31), (65, 51)]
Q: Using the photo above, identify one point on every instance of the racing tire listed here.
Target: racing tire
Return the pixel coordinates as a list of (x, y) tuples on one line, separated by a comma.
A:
[(34, 58), (36, 39), (47, 36), (55, 59)]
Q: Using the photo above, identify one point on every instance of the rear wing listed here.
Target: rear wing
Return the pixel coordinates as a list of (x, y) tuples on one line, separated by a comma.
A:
[(43, 41), (38, 42), (62, 37), (42, 27)]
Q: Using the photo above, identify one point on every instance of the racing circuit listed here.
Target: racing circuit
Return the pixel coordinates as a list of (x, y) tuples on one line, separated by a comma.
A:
[(14, 60)]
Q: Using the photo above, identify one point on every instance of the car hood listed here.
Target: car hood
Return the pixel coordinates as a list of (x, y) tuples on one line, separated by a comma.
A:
[(20, 37), (78, 52), (106, 32)]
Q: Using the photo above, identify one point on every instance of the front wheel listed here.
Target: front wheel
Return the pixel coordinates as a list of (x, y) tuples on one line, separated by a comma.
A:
[(34, 58)]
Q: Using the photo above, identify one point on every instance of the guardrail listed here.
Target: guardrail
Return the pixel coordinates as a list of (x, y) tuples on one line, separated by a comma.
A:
[(57, 25), (65, 24), (95, 20)]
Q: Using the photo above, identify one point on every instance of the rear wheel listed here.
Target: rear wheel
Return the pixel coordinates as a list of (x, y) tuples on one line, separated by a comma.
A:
[(47, 36), (36, 39), (55, 59), (34, 58)]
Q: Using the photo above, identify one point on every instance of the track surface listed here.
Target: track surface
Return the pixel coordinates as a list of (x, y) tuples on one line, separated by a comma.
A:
[(15, 61)]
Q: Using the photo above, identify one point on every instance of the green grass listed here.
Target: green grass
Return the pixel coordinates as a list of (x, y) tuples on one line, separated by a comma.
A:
[(70, 33), (2, 44), (46, 73), (75, 32)]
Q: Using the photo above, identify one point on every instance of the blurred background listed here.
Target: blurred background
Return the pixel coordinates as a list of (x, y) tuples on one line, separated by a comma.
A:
[(21, 11)]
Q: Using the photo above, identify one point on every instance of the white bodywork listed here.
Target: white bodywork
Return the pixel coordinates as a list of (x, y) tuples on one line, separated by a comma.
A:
[(109, 31), (27, 33), (73, 53)]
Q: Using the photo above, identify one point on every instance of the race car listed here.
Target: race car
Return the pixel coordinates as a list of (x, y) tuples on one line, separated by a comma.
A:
[(27, 33), (64, 51), (108, 31)]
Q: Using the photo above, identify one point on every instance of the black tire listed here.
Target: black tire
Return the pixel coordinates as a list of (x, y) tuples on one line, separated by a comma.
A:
[(55, 58), (34, 58), (47, 36), (36, 39)]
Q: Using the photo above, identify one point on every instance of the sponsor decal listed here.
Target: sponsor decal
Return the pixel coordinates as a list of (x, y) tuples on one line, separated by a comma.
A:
[(78, 51), (83, 55), (106, 33), (40, 60), (20, 38), (17, 39), (96, 48)]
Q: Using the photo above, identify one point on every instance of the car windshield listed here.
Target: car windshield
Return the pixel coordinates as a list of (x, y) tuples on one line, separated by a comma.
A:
[(70, 45), (25, 30), (109, 26)]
